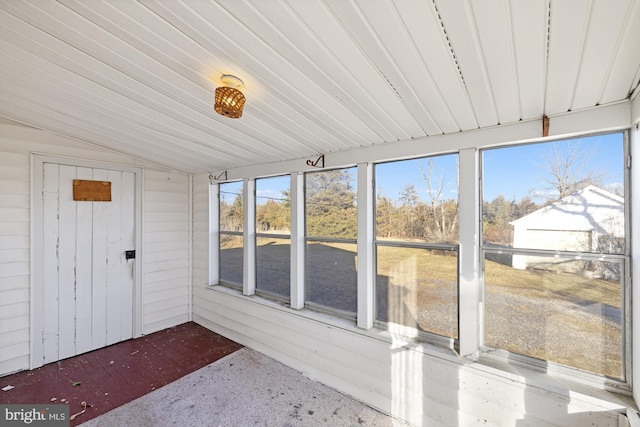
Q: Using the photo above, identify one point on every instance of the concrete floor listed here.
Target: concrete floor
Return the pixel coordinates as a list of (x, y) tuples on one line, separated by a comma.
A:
[(242, 389)]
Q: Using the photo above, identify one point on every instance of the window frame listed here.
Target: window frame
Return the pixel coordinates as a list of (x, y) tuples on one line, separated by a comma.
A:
[(263, 293), (307, 239), (543, 365), (229, 233), (425, 336)]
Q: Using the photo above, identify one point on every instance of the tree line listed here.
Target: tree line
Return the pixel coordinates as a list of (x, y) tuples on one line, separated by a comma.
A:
[(331, 211)]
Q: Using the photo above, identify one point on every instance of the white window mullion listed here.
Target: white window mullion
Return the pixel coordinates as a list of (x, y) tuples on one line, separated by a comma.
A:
[(469, 292), (365, 246), (297, 241), (249, 236), (632, 293), (214, 234)]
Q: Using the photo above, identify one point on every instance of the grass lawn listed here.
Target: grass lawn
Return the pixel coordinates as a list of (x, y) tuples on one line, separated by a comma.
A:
[(561, 317)]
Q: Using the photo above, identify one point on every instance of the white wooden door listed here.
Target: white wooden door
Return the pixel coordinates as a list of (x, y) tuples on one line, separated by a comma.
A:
[(88, 283)]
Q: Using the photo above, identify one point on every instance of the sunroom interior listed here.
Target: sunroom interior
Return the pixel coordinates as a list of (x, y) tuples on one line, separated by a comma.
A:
[(425, 205)]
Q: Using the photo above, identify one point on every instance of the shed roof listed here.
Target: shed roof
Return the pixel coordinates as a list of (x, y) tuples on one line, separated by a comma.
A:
[(591, 208)]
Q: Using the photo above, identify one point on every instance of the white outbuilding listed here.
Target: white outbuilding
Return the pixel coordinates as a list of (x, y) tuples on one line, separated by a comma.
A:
[(589, 220)]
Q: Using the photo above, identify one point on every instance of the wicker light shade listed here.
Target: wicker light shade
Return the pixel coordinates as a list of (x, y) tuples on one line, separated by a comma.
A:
[(229, 100)]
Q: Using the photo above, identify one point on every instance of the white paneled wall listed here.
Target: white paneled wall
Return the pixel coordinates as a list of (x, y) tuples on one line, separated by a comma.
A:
[(14, 259), (422, 385), (165, 253), (166, 250), (200, 236)]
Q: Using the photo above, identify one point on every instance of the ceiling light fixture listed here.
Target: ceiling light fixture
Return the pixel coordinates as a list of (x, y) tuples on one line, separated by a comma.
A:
[(229, 99)]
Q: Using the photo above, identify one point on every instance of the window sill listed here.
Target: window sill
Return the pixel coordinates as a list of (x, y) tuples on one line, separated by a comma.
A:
[(559, 380)]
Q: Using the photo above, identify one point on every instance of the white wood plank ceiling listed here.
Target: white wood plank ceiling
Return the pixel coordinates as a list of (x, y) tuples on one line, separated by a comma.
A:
[(320, 76)]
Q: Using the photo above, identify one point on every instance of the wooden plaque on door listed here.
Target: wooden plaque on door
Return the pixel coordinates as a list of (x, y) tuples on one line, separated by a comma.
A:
[(91, 191)]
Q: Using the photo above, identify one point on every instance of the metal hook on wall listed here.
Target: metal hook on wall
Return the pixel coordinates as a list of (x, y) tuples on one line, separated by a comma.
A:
[(315, 164), (217, 178)]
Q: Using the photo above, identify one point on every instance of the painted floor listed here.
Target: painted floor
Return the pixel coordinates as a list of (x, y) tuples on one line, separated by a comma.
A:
[(110, 377)]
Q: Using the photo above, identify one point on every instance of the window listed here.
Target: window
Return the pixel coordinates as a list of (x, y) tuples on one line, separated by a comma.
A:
[(273, 236), (537, 251), (231, 227), (416, 244), (331, 232), (554, 251)]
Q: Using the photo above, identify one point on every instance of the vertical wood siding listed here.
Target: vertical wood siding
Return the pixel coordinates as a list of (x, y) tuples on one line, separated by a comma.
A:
[(165, 249), (87, 294)]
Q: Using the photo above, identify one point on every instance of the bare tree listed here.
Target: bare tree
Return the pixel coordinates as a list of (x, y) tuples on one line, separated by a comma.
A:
[(566, 169), (442, 223), (409, 198)]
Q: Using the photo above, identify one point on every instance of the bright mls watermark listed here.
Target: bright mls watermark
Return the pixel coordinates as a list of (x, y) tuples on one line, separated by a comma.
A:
[(34, 415)]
